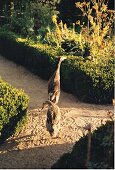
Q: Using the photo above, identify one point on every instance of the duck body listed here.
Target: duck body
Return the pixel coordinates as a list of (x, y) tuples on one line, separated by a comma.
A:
[(54, 88)]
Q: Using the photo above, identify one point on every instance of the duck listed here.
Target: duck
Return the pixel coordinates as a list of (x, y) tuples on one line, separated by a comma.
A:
[(54, 83), (53, 118)]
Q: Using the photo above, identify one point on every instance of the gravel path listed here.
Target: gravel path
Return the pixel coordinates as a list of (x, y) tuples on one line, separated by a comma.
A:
[(33, 147)]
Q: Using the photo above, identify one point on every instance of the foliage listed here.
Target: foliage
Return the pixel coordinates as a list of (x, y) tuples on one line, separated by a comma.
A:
[(42, 17), (94, 43), (100, 20), (51, 3), (102, 151), (28, 18), (69, 14), (13, 109), (64, 38), (92, 39), (43, 13), (22, 23), (18, 16), (90, 80)]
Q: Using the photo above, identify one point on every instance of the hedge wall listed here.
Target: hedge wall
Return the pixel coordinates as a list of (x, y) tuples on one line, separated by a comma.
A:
[(102, 151), (88, 81), (37, 61), (13, 110)]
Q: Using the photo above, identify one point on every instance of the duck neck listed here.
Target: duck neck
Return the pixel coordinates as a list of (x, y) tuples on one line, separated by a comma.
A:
[(58, 68)]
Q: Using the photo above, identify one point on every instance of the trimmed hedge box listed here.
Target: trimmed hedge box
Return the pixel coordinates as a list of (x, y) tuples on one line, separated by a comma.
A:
[(90, 82), (13, 110)]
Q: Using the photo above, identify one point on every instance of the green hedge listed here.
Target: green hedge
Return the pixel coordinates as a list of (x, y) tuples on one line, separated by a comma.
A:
[(102, 151), (13, 110), (37, 61), (89, 81)]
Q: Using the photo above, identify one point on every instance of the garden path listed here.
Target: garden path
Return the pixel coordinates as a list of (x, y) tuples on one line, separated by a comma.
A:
[(33, 147)]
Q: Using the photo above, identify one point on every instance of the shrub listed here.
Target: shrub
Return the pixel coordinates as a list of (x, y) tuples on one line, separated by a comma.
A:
[(13, 110), (60, 33), (70, 42), (22, 25), (102, 151), (19, 17), (89, 80), (28, 18), (93, 40)]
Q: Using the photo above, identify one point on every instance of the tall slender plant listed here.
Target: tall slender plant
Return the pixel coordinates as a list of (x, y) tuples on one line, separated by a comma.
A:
[(99, 19)]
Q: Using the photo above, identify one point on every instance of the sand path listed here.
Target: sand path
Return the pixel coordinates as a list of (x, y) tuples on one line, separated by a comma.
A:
[(33, 147)]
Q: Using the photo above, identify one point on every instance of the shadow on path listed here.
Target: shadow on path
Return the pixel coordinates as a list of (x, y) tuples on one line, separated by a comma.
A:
[(36, 158)]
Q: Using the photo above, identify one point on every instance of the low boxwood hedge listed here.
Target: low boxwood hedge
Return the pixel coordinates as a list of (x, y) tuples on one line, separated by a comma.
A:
[(13, 110), (101, 153), (39, 59), (88, 80)]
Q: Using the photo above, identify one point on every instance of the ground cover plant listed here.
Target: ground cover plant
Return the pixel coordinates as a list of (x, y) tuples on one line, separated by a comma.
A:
[(13, 110)]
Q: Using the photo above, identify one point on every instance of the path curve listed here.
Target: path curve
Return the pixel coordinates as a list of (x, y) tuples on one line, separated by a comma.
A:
[(33, 147)]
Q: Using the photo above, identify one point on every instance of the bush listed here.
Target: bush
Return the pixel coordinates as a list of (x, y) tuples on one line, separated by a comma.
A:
[(89, 80), (102, 151), (13, 110), (92, 41), (28, 18)]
